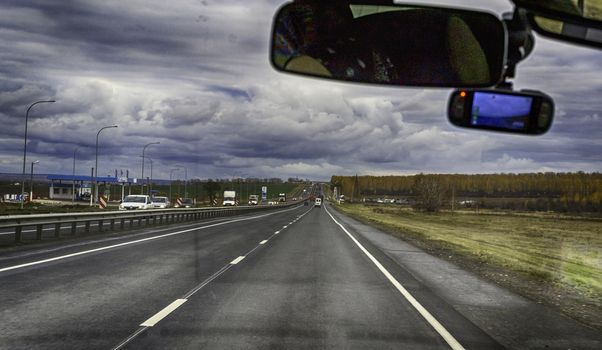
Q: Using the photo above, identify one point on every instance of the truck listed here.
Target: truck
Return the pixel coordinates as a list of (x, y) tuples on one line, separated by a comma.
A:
[(229, 198), (253, 199), (282, 197)]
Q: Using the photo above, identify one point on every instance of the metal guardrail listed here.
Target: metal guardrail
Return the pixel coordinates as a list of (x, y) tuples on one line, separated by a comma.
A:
[(114, 218)]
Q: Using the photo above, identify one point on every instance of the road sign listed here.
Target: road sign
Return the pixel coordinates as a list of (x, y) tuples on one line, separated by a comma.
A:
[(102, 202), (123, 179), (264, 193), (179, 202)]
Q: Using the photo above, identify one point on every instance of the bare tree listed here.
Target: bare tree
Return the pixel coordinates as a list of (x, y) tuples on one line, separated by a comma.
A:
[(431, 193)]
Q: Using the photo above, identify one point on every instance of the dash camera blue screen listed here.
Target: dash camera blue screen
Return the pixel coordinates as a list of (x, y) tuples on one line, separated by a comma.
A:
[(501, 110)]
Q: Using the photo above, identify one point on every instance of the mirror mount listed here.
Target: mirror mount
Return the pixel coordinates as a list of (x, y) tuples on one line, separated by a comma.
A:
[(521, 42)]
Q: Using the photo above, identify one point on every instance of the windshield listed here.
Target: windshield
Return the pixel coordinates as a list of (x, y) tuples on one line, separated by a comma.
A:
[(134, 199), (405, 231)]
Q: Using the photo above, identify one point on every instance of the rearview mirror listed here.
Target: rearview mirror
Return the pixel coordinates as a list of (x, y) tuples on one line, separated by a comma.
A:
[(403, 45), (525, 112)]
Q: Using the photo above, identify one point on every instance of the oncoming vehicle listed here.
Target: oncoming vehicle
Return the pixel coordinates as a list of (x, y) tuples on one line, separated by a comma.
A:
[(186, 203), (160, 202), (136, 201), (318, 202), (253, 199), (229, 198)]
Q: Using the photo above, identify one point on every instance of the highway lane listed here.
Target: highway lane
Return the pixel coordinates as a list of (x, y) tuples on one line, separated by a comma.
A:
[(92, 300), (311, 286), (291, 279)]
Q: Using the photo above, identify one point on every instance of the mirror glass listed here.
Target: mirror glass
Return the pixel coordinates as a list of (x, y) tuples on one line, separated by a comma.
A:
[(389, 44), (502, 110)]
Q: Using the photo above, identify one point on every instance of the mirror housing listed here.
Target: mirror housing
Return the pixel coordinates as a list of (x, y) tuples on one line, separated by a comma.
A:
[(378, 42), (573, 21), (525, 112)]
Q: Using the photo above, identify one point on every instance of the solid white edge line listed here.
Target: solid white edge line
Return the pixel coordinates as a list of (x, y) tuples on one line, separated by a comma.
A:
[(449, 339), (264, 241), (163, 313), (237, 260), (135, 241)]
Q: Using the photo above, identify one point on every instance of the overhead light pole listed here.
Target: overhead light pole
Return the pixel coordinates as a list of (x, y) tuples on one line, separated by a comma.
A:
[(150, 183), (240, 188), (25, 147), (95, 198), (170, 180), (73, 189), (31, 181), (144, 150), (185, 179)]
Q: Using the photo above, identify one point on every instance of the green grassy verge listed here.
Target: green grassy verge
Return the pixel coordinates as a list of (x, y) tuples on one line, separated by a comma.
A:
[(553, 249)]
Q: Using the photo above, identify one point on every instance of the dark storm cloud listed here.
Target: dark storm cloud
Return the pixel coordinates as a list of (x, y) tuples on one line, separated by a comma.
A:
[(194, 75)]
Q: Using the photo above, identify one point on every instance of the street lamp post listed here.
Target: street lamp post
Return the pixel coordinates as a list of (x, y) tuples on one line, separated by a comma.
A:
[(25, 147), (73, 189), (143, 150), (185, 179), (170, 177), (150, 183), (93, 200), (240, 188), (31, 181)]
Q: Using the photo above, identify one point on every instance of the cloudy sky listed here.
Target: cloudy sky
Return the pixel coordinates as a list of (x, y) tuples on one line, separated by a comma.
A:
[(194, 75)]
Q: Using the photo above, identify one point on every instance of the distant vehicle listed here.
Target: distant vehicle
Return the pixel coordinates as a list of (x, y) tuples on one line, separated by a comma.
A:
[(229, 198), (187, 202), (160, 202), (318, 202), (253, 199), (282, 197), (136, 201)]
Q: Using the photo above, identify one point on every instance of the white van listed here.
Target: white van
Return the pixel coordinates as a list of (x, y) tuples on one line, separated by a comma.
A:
[(318, 202), (136, 201), (161, 202)]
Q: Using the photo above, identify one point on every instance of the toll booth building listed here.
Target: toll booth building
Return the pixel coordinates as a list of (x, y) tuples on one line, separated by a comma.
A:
[(62, 186)]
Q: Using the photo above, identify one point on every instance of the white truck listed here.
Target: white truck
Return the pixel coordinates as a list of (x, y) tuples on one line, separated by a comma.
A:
[(229, 198), (134, 201)]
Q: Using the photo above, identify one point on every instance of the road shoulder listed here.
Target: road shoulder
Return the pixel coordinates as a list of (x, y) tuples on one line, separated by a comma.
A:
[(514, 321)]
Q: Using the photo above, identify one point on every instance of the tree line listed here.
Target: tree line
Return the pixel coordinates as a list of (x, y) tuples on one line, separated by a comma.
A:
[(533, 191)]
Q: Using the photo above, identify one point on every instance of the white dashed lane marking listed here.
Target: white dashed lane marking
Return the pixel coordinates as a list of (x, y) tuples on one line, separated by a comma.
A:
[(163, 313), (237, 260)]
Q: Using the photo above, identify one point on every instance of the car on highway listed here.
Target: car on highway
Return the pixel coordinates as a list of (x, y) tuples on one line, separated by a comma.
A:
[(253, 199), (136, 201), (186, 203), (318, 202), (160, 202)]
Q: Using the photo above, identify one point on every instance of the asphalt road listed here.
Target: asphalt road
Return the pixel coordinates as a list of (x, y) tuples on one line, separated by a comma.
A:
[(296, 278)]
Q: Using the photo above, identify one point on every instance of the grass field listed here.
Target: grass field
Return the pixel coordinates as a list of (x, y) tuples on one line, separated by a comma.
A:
[(551, 248)]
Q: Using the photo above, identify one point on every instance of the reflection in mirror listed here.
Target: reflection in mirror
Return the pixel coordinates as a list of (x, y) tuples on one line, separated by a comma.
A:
[(502, 110), (389, 44), (574, 31), (589, 9)]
